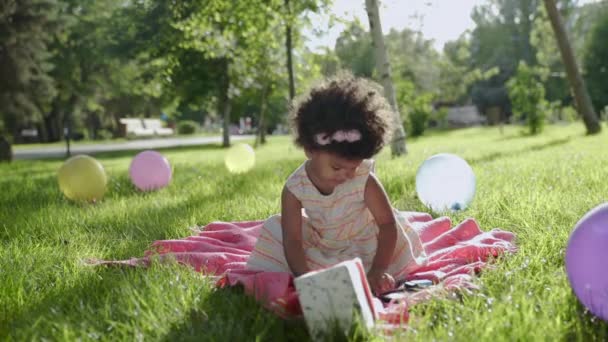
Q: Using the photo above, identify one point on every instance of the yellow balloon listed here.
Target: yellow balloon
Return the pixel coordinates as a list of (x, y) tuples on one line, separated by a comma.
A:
[(82, 178), (240, 158)]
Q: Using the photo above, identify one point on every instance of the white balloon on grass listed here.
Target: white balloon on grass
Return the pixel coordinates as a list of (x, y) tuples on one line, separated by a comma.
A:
[(445, 182)]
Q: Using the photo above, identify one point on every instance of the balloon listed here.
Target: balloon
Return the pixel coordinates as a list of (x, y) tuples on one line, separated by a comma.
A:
[(82, 178), (445, 182), (150, 170), (586, 257), (240, 158)]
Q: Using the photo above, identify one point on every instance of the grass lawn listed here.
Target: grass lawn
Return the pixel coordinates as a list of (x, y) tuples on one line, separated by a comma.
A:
[(537, 187)]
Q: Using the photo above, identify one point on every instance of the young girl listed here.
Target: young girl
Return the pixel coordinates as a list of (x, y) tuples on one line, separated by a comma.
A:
[(333, 207)]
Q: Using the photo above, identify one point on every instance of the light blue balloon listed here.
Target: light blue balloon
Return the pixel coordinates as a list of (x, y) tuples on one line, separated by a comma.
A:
[(445, 182)]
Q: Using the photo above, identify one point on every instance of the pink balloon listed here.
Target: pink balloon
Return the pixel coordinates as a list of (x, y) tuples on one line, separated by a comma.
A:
[(150, 170)]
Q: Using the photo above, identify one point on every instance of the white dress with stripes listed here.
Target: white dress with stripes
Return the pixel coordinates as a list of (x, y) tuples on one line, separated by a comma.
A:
[(336, 227)]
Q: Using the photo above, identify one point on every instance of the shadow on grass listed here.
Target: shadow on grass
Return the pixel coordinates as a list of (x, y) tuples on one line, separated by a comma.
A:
[(222, 320), (404, 197), (225, 312), (132, 153), (146, 225), (228, 314), (533, 148), (44, 174), (137, 229), (67, 304), (113, 295), (117, 294), (29, 197), (521, 134)]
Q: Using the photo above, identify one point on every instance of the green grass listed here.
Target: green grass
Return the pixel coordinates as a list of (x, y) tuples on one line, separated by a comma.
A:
[(537, 187)]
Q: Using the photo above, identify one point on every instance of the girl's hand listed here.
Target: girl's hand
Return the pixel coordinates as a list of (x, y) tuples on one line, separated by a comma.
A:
[(380, 282)]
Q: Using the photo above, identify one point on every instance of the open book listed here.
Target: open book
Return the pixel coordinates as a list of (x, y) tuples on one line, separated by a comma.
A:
[(335, 296)]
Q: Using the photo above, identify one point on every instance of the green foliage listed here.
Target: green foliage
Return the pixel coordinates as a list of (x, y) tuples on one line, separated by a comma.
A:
[(354, 50), (527, 94), (327, 62), (88, 63), (585, 17), (413, 58), (509, 31), (104, 134), (596, 63), (441, 117), (550, 67), (187, 127), (415, 108), (114, 59), (405, 92), (418, 116), (555, 112), (458, 73), (26, 89), (569, 114), (453, 65)]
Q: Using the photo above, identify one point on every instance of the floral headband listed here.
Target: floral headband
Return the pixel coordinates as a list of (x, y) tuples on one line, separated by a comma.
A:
[(339, 136)]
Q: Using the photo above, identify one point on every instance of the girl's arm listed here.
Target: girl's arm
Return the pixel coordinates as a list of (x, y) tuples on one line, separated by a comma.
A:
[(291, 223), (379, 205)]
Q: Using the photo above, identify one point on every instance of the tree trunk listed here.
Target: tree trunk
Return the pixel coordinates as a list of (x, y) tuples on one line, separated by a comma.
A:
[(68, 123), (384, 70), (53, 123), (6, 150), (288, 49), (261, 136), (581, 96), (224, 102)]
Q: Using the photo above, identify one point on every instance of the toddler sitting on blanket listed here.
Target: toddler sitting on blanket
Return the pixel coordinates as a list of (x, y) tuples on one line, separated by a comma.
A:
[(333, 207)]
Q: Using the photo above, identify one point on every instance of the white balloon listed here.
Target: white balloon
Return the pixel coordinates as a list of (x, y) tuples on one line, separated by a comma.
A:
[(445, 182)]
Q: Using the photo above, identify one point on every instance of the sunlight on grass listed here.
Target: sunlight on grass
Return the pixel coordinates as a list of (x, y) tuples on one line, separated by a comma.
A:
[(537, 187)]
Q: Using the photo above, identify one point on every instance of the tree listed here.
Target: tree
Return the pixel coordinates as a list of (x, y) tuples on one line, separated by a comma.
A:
[(501, 39), (293, 9), (596, 64), (384, 69), (414, 58), (583, 102), (26, 28), (454, 65), (267, 77), (527, 96), (80, 63), (327, 62), (289, 49), (232, 34), (581, 23), (550, 67), (354, 50)]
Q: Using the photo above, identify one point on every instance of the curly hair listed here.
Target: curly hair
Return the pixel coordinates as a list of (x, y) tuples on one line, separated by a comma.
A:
[(343, 103)]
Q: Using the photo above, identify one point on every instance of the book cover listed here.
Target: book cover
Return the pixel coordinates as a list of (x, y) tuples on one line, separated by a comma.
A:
[(337, 295)]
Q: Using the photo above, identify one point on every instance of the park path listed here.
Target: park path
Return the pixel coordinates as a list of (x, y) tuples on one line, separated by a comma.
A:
[(59, 151)]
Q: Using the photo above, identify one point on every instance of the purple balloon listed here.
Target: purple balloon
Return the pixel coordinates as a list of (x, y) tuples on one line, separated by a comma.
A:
[(586, 257), (150, 170)]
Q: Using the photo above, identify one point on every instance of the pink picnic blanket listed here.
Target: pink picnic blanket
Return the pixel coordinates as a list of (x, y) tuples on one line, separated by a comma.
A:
[(221, 249)]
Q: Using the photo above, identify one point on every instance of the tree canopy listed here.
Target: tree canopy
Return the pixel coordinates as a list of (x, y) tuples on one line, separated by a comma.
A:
[(86, 64)]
